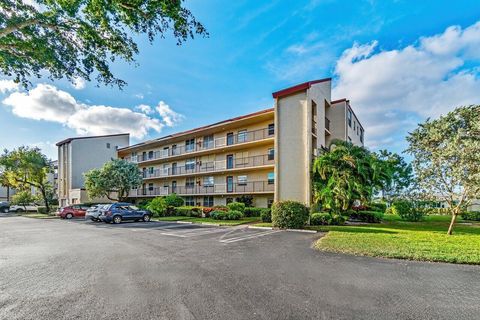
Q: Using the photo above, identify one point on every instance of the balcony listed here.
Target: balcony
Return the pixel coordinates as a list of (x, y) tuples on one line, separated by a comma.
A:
[(212, 166), (217, 189), (222, 142)]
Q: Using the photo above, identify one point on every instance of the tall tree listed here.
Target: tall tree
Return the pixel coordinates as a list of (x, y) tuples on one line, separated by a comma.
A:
[(399, 174), (80, 38), (114, 180), (346, 173), (446, 155), (24, 168)]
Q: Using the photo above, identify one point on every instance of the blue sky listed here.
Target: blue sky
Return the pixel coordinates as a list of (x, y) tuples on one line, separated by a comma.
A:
[(398, 62)]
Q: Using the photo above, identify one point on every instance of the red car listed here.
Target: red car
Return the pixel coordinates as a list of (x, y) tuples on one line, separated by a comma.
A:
[(73, 211)]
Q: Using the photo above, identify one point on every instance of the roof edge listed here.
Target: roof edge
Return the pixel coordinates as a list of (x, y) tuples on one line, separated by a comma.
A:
[(90, 137), (297, 88)]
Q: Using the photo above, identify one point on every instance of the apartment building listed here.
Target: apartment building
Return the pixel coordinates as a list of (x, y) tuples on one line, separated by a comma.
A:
[(267, 154), (79, 155)]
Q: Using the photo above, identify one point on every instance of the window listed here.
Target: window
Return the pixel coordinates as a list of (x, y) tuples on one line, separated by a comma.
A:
[(144, 155), (242, 180), (144, 172), (174, 186), (269, 203), (208, 181), (150, 170), (229, 200), (165, 151), (242, 136), (349, 118), (174, 168), (150, 154), (229, 184), (271, 178), (190, 164), (361, 135), (230, 161), (190, 145), (354, 125), (208, 201), (271, 129), (230, 139), (271, 154), (150, 187), (208, 141), (190, 183), (174, 149), (108, 145), (189, 201), (349, 139)]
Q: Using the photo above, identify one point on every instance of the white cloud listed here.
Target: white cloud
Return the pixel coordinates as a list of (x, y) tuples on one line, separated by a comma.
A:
[(144, 108), (425, 79), (169, 116), (79, 84), (139, 96), (8, 85), (46, 102)]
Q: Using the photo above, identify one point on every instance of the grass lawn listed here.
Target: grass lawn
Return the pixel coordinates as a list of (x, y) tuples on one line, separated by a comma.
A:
[(426, 240), (210, 220), (39, 216)]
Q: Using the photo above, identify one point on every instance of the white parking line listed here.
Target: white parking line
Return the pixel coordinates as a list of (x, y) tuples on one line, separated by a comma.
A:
[(252, 236)]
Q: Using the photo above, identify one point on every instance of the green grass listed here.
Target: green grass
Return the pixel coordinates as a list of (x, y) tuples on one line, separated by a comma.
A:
[(426, 240), (38, 216), (210, 220)]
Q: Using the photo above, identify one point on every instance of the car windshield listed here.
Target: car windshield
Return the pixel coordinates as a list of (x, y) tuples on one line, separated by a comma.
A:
[(133, 208)]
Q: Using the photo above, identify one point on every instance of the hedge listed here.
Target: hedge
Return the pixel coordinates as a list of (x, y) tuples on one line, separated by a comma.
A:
[(289, 214)]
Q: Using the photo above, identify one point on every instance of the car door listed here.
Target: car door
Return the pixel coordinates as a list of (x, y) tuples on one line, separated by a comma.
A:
[(135, 212), (125, 212)]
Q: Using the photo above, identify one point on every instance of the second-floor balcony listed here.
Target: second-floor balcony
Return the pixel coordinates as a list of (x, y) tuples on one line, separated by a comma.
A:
[(200, 167), (220, 189), (192, 146)]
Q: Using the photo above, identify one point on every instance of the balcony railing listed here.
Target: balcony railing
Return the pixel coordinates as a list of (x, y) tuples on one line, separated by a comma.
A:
[(228, 140), (327, 123), (225, 188), (211, 166)]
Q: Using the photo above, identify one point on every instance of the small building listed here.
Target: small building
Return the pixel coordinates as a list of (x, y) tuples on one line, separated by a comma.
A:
[(78, 155)]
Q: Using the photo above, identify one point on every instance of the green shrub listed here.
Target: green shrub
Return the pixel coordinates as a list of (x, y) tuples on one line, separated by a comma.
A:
[(338, 219), (236, 206), (471, 215), (289, 214), (367, 216), (143, 204), (219, 215), (266, 215), (157, 207), (252, 212), (246, 199), (389, 210), (378, 206), (407, 211), (234, 215), (42, 210), (173, 200), (320, 218), (188, 211)]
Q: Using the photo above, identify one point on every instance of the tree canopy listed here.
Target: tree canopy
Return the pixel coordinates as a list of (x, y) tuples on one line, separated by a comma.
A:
[(26, 167), (446, 155), (114, 180), (398, 174), (80, 38)]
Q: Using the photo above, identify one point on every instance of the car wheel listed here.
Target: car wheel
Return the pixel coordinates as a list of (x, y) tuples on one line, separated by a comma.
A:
[(117, 219), (146, 218), (5, 210), (69, 216), (19, 210)]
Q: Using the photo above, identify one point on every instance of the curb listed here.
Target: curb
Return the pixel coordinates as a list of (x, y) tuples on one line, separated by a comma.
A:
[(184, 222), (290, 230), (210, 224)]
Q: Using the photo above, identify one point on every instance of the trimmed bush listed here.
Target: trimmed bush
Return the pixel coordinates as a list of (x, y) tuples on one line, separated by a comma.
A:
[(253, 211), (173, 200), (266, 215), (226, 215), (188, 211), (471, 215), (378, 206), (234, 215), (338, 219), (367, 216), (157, 207), (407, 211), (289, 214), (236, 206), (320, 219), (42, 210)]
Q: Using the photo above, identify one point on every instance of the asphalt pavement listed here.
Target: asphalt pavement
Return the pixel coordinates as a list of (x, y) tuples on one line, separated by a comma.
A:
[(58, 269)]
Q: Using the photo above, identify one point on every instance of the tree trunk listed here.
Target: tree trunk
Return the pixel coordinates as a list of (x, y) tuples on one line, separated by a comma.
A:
[(452, 222), (45, 200)]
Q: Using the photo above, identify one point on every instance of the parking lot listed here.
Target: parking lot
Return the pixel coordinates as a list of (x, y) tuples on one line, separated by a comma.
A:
[(58, 269)]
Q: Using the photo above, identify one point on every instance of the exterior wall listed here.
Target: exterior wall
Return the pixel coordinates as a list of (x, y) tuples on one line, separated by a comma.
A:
[(338, 122), (79, 155), (354, 130)]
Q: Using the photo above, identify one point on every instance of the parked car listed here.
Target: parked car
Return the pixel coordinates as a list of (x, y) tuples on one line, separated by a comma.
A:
[(73, 211), (28, 207), (4, 207), (118, 212), (93, 213)]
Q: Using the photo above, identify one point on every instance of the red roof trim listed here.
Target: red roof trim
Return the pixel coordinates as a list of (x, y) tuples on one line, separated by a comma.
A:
[(297, 88), (178, 134)]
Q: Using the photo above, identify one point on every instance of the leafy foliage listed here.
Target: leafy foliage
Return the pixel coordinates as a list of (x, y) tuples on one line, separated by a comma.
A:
[(116, 178), (173, 200), (320, 219), (398, 175), (367, 216), (228, 215), (347, 173), (446, 155), (26, 167), (157, 206), (266, 215), (75, 39), (253, 211), (471, 215), (246, 199), (237, 206), (407, 210), (289, 214), (23, 198)]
